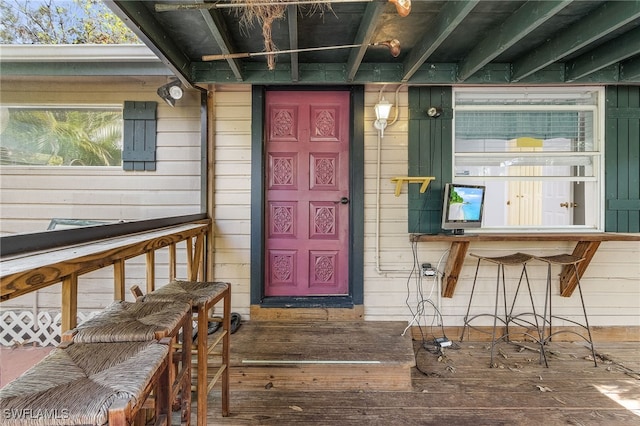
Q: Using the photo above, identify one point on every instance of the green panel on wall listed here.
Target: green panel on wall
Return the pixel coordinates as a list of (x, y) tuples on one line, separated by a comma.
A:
[(622, 159), (139, 137), (430, 154)]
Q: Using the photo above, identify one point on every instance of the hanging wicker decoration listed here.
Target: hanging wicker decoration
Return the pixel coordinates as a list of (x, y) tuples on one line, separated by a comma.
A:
[(264, 14)]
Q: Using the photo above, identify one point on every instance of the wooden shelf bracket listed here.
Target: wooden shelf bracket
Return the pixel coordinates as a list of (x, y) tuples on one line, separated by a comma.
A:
[(424, 180)]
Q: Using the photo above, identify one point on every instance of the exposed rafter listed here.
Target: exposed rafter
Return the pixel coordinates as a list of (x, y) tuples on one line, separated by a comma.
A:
[(447, 20), (444, 42), (524, 20), (607, 18), (216, 27), (623, 47), (364, 37), (292, 18)]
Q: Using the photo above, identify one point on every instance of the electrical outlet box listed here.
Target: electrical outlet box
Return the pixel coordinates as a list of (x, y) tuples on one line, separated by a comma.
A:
[(443, 342), (427, 270)]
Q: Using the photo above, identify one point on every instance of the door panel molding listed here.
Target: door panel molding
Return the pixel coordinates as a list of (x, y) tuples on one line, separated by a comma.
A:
[(356, 201)]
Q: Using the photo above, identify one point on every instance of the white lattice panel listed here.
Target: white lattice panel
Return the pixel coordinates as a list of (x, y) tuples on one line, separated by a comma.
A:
[(19, 327)]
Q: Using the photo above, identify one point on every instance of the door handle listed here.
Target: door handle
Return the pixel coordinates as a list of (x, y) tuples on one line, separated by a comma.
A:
[(343, 200), (568, 204)]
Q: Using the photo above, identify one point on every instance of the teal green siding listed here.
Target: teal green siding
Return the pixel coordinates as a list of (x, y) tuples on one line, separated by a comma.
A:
[(622, 159), (429, 155)]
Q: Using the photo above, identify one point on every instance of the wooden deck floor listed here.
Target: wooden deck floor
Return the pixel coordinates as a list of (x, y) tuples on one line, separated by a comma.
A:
[(457, 388)]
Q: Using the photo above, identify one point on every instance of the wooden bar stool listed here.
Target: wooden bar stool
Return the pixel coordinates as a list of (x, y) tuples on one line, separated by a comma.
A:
[(90, 384), (203, 296), (565, 260), (516, 259), (145, 321)]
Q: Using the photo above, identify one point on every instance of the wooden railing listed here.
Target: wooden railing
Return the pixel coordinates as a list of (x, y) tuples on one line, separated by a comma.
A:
[(25, 273)]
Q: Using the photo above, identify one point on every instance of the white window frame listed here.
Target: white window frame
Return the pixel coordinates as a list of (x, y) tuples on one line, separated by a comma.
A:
[(595, 206)]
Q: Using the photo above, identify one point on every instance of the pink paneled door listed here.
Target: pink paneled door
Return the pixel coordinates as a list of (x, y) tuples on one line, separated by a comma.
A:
[(307, 193)]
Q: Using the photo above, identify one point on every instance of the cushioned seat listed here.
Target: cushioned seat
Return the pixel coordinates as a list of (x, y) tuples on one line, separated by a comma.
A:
[(89, 384)]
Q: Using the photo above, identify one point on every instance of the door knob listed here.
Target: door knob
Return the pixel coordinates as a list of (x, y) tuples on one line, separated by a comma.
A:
[(344, 200), (565, 205)]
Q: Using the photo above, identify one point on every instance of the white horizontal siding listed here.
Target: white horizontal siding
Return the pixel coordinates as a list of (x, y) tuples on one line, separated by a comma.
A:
[(232, 191), (32, 196), (610, 285), (105, 193), (392, 290)]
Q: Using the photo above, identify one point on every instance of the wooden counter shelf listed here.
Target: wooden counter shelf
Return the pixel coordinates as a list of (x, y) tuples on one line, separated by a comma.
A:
[(586, 246)]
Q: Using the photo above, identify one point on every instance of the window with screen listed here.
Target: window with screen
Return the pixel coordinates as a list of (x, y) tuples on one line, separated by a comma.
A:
[(538, 151)]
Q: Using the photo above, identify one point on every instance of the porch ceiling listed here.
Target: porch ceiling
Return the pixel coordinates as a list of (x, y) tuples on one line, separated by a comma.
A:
[(442, 42)]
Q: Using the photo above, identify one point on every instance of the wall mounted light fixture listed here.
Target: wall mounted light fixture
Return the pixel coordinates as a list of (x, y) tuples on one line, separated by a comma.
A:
[(383, 109), (171, 92)]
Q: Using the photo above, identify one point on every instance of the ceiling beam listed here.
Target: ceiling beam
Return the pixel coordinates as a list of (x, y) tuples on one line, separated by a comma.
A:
[(451, 15), (217, 28), (364, 37), (144, 25), (619, 49), (524, 20), (607, 18), (292, 18), (429, 73)]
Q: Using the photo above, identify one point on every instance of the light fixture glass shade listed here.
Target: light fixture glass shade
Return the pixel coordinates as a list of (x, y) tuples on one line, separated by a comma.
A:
[(175, 92), (383, 109)]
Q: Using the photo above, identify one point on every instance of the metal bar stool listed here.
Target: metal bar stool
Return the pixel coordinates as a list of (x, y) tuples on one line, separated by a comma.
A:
[(203, 296), (511, 260), (565, 260), (91, 384), (147, 321)]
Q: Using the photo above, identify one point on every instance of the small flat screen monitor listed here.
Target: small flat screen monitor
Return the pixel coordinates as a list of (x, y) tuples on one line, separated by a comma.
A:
[(463, 207)]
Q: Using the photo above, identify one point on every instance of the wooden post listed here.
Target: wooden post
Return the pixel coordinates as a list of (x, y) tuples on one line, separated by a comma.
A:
[(197, 258), (118, 279), (226, 355), (151, 271), (172, 261), (209, 257), (189, 253), (69, 302)]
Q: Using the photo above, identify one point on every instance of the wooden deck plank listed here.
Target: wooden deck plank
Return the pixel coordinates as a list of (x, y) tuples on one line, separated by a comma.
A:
[(457, 388)]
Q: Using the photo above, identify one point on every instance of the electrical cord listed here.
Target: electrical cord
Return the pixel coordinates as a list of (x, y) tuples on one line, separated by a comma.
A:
[(430, 345)]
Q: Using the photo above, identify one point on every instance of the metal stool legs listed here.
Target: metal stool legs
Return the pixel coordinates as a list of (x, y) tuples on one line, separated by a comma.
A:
[(501, 261), (571, 261)]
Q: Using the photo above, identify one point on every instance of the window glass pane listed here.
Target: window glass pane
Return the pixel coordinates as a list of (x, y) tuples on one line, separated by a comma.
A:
[(525, 165), (539, 204), (498, 96), (61, 136), (527, 128), (537, 151)]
